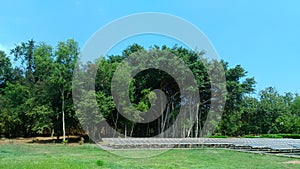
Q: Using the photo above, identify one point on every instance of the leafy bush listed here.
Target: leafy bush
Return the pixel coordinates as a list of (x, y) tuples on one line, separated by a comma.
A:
[(294, 136), (270, 136), (250, 136), (81, 141), (65, 142), (35, 140), (100, 163), (218, 136)]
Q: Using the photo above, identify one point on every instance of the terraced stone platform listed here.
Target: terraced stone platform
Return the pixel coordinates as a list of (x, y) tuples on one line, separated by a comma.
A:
[(249, 144)]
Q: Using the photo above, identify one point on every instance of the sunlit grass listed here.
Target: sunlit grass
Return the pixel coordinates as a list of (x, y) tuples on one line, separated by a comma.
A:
[(89, 156)]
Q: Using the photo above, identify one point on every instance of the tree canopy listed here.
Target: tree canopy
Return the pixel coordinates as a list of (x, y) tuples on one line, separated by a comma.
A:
[(36, 95)]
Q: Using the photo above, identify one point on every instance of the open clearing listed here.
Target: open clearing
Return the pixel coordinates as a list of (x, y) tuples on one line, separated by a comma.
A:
[(89, 156)]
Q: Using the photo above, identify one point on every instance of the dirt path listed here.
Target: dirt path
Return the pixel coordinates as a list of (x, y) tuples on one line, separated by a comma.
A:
[(21, 140), (292, 162)]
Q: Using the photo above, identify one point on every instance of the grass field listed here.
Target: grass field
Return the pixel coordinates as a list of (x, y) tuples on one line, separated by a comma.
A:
[(88, 156)]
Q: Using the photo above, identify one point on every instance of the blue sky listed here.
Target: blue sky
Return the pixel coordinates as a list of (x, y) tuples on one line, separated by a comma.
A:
[(262, 36)]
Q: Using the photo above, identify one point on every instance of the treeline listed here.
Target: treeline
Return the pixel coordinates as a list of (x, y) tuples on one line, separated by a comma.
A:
[(36, 96)]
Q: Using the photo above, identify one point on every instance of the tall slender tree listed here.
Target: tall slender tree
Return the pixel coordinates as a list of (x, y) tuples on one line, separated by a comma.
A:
[(66, 56)]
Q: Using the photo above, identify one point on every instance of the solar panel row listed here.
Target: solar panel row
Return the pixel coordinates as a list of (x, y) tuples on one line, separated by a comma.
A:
[(240, 143)]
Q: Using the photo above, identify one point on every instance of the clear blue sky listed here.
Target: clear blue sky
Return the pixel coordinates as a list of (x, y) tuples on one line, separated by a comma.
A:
[(262, 36)]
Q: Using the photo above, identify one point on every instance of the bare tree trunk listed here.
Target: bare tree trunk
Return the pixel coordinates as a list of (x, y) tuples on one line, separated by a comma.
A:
[(174, 128), (63, 115), (200, 124), (147, 130), (192, 122), (197, 121), (52, 132), (161, 127), (183, 123), (125, 133), (116, 124), (165, 119), (200, 117), (132, 127)]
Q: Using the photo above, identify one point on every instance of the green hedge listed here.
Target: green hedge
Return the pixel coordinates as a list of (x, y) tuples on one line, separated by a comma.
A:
[(250, 136), (270, 136), (218, 136), (294, 136)]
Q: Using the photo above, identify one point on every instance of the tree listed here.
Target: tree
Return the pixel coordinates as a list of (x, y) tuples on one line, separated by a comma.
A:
[(35, 95), (24, 54), (249, 116), (13, 110), (5, 69), (23, 84), (92, 107), (295, 106), (295, 115), (272, 106), (41, 113), (66, 56), (237, 89), (5, 77)]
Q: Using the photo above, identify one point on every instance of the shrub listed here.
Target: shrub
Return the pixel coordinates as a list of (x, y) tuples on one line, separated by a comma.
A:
[(250, 136), (218, 136), (294, 136), (65, 142), (35, 140), (270, 136), (100, 163), (81, 141)]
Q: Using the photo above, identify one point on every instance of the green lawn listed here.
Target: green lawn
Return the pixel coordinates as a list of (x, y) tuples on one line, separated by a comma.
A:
[(88, 156)]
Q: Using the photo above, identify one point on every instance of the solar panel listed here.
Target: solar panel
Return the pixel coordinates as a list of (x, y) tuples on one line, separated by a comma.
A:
[(297, 146), (241, 143), (280, 146)]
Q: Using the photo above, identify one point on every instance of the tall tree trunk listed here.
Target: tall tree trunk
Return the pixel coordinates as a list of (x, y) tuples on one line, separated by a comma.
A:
[(116, 124), (132, 127), (159, 125), (164, 121), (125, 133), (63, 115), (197, 121), (161, 121), (147, 131), (192, 122), (173, 128), (52, 132)]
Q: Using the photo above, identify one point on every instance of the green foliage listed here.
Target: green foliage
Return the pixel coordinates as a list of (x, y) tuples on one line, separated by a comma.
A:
[(36, 95), (250, 136), (41, 118), (100, 162), (5, 69), (294, 136), (218, 136), (237, 89), (31, 92), (65, 142), (270, 136)]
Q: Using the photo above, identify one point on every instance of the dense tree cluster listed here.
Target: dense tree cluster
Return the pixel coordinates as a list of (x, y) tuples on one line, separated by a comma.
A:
[(36, 96)]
